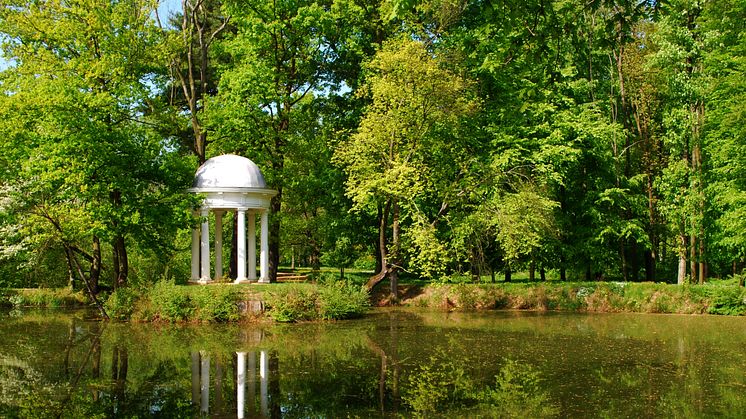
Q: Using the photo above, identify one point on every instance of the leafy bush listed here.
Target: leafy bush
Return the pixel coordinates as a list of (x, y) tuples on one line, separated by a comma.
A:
[(216, 303), (331, 301), (342, 300), (291, 304), (121, 303), (728, 301), (170, 302)]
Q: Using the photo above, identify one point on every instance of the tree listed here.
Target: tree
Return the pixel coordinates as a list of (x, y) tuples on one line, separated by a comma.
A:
[(78, 101), (282, 53), (193, 64), (725, 135), (680, 60), (395, 160)]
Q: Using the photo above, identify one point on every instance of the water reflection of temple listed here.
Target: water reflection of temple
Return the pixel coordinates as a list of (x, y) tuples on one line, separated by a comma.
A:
[(254, 370)]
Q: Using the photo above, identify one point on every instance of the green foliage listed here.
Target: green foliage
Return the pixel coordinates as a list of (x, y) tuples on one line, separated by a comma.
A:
[(121, 303), (713, 298), (170, 302), (330, 301), (291, 304), (438, 383), (728, 301), (442, 383), (216, 305), (44, 297), (342, 300), (518, 392), (167, 302), (601, 139)]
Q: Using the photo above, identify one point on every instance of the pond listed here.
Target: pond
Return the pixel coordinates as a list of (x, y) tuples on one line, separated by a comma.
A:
[(391, 363)]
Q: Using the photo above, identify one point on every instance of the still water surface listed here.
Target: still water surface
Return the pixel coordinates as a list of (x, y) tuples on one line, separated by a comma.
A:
[(392, 363)]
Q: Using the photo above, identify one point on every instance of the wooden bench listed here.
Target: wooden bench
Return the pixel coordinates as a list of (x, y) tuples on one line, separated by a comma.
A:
[(291, 277)]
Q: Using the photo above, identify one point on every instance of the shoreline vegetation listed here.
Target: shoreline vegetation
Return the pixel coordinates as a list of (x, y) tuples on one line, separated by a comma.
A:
[(338, 300)]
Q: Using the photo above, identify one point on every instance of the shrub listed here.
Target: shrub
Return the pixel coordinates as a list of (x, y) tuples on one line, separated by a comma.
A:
[(216, 303), (342, 300), (121, 303), (170, 302), (332, 301), (291, 304), (728, 301), (466, 298)]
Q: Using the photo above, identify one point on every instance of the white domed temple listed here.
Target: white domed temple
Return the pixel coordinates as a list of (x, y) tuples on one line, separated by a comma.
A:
[(231, 183)]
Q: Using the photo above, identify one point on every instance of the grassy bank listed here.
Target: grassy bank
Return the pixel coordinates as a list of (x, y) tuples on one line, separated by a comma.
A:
[(726, 299), (166, 302), (334, 300), (42, 297)]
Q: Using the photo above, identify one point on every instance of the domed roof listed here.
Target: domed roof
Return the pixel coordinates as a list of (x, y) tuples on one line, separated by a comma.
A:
[(228, 171)]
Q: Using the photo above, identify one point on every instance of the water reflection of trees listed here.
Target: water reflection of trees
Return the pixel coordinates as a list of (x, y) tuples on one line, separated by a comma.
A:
[(393, 363)]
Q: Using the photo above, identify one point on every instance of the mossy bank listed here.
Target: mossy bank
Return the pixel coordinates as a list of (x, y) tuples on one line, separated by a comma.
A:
[(167, 302), (336, 300), (715, 298)]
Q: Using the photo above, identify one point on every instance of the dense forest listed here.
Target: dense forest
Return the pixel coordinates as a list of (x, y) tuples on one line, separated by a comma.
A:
[(586, 139)]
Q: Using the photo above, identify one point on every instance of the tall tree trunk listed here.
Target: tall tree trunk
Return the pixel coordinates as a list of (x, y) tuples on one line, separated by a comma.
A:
[(380, 263), (121, 263), (395, 251), (532, 270), (702, 263), (95, 264), (542, 274), (474, 267), (70, 273), (652, 253), (508, 274), (274, 235), (198, 31), (693, 259), (634, 260), (681, 278), (115, 264), (122, 269), (382, 250)]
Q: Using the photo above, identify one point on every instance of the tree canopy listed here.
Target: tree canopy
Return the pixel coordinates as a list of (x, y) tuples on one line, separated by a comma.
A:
[(598, 139)]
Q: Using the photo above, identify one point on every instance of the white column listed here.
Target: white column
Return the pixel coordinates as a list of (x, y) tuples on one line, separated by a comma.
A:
[(264, 256), (240, 383), (218, 244), (195, 254), (205, 247), (204, 405), (241, 245), (252, 247), (264, 377)]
